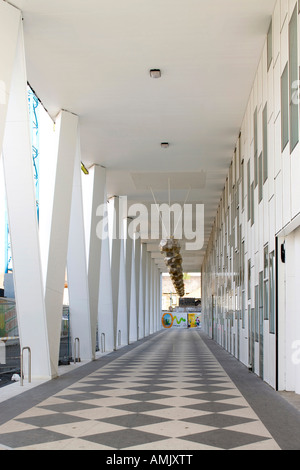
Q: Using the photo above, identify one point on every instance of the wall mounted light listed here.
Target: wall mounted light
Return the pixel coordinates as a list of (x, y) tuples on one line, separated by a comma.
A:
[(84, 169)]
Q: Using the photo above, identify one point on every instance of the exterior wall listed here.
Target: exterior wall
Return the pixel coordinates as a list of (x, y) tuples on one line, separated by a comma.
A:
[(261, 198)]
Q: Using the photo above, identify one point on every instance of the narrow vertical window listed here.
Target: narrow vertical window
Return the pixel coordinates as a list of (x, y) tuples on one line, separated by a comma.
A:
[(255, 148), (248, 191), (266, 283), (293, 81), (252, 204), (265, 142), (272, 287), (260, 175), (270, 45), (284, 109)]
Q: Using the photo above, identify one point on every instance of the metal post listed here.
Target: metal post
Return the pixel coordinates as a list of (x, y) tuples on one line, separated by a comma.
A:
[(77, 358), (29, 365), (102, 342), (119, 337)]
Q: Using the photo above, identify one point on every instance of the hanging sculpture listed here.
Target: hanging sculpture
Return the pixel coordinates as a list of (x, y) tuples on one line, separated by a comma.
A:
[(170, 248)]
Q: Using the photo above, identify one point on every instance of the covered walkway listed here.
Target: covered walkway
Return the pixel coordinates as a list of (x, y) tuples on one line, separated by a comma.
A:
[(176, 389)]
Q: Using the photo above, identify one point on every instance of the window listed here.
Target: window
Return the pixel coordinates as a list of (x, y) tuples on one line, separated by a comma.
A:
[(266, 283), (249, 279), (265, 142), (256, 313), (252, 204), (260, 178), (284, 109), (270, 45), (261, 302), (255, 148), (293, 81), (272, 287), (248, 190)]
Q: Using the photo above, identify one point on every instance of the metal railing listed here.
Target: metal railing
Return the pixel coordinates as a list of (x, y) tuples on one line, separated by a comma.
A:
[(77, 343), (22, 365)]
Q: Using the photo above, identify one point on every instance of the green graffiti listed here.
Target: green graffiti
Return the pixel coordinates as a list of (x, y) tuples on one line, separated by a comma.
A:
[(179, 321)]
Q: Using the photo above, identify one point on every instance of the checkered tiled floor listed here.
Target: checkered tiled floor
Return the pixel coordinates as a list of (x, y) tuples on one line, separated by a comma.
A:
[(169, 393)]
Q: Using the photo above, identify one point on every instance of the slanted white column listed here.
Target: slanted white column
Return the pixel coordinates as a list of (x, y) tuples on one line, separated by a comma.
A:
[(137, 270), (147, 293), (21, 203), (67, 133), (105, 308), (118, 274), (77, 268), (97, 188), (142, 285), (152, 295), (131, 289), (10, 25)]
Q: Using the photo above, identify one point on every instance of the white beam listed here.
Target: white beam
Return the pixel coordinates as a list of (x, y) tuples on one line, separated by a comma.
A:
[(66, 128), (21, 200), (80, 320)]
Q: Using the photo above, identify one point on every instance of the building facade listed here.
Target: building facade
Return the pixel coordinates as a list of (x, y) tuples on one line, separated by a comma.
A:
[(251, 275)]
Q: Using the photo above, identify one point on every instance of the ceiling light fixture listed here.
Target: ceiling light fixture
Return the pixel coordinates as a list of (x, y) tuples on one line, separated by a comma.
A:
[(155, 73), (165, 145)]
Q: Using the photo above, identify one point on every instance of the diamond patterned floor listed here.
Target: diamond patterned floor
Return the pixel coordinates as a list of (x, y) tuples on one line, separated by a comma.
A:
[(168, 393)]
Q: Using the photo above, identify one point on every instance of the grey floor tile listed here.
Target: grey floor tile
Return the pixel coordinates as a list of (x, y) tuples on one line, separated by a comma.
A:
[(124, 439)]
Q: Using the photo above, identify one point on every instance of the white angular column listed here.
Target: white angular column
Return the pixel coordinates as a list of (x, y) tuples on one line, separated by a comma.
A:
[(77, 268), (96, 185), (142, 285), (10, 26), (118, 274), (105, 308), (147, 293), (67, 133), (131, 289), (137, 270), (21, 203)]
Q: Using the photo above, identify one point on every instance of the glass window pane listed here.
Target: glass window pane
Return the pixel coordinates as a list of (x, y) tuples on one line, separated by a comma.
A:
[(260, 186), (265, 142), (293, 77), (284, 108), (270, 45), (272, 292)]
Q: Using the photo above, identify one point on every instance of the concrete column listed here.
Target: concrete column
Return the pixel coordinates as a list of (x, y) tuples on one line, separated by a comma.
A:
[(21, 204), (142, 284), (97, 187), (77, 269), (105, 308), (137, 270), (10, 25), (118, 274), (147, 293), (67, 133), (152, 294), (131, 289)]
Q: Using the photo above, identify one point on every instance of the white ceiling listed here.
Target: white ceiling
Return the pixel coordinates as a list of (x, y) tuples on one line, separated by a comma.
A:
[(93, 57)]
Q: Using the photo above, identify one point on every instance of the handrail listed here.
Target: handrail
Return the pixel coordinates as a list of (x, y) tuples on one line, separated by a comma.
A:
[(77, 358), (9, 338), (29, 365)]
